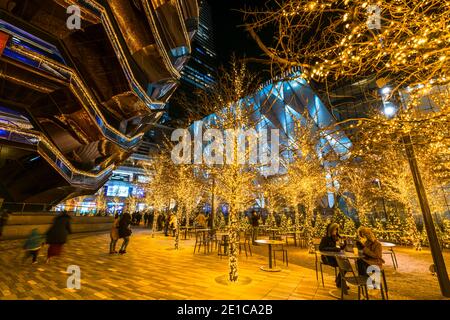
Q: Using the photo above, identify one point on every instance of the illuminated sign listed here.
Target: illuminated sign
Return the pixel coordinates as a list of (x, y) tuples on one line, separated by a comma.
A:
[(143, 179), (3, 40), (118, 191)]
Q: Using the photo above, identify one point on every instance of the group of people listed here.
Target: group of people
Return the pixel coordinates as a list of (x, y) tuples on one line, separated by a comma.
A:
[(367, 243), (137, 217), (121, 229), (55, 237)]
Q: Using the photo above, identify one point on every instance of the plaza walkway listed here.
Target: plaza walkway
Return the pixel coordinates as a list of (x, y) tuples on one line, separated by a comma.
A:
[(152, 269)]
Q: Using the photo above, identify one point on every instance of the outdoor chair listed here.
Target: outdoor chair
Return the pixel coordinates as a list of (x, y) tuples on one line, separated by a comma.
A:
[(213, 241), (201, 240), (319, 263), (391, 252), (345, 266), (223, 246), (284, 252), (245, 242)]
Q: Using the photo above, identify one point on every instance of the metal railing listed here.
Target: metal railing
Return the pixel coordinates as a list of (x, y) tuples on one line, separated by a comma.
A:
[(54, 157)]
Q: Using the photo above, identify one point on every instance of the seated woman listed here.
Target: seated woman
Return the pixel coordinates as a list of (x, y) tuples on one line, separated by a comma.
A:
[(371, 249), (330, 242)]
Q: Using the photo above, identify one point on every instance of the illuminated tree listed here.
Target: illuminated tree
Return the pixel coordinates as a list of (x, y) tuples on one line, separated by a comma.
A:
[(344, 39), (100, 201), (235, 179), (356, 186), (305, 183), (157, 189)]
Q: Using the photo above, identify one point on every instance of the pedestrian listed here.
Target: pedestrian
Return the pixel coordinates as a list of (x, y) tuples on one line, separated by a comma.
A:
[(4, 217), (114, 235), (124, 231), (146, 219), (173, 223), (57, 235), (160, 221), (32, 245), (201, 220), (151, 217), (166, 224), (255, 225)]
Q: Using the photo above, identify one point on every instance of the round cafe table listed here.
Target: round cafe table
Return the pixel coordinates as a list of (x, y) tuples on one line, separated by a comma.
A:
[(270, 268), (390, 250)]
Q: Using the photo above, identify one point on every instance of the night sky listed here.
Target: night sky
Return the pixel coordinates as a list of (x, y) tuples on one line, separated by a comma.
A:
[(229, 37)]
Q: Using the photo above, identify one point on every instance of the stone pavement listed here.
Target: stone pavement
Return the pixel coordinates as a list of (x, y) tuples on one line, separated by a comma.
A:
[(152, 269)]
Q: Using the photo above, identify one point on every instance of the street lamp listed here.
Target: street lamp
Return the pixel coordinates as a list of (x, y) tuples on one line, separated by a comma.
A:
[(433, 240)]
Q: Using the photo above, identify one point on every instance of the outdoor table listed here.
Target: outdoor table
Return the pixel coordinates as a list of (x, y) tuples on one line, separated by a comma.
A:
[(270, 243), (390, 246)]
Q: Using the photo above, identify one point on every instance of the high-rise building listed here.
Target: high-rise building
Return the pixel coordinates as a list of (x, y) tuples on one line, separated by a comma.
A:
[(201, 69), (199, 73)]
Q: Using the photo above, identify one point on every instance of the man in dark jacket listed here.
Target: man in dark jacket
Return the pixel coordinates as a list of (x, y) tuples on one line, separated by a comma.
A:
[(57, 234), (124, 231), (146, 219), (166, 224)]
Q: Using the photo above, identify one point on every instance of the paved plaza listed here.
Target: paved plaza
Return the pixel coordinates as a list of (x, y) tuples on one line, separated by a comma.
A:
[(152, 269)]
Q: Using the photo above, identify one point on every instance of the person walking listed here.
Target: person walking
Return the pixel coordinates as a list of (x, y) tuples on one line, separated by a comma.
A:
[(151, 216), (114, 235), (57, 235), (32, 245), (124, 231), (146, 219), (173, 224), (255, 226), (166, 224)]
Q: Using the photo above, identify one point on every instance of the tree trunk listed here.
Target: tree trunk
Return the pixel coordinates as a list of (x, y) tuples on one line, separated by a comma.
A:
[(177, 230), (308, 228), (155, 220), (296, 219), (232, 257)]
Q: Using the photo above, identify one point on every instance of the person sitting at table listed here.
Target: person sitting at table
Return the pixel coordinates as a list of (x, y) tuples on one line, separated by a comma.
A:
[(372, 251), (201, 220), (331, 242)]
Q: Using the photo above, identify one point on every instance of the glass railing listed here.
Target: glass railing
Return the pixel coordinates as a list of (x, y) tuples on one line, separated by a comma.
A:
[(79, 89), (169, 21), (190, 15), (54, 157)]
